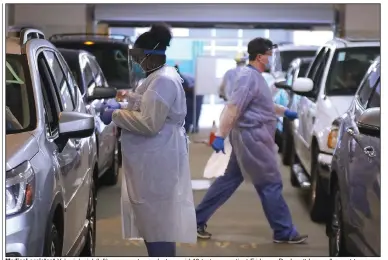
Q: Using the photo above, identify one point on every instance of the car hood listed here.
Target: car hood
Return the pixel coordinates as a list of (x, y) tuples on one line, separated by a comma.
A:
[(339, 104), (19, 148)]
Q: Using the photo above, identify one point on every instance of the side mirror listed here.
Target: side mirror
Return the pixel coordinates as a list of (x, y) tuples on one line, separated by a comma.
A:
[(75, 125), (102, 93), (369, 122), (283, 85), (303, 87)]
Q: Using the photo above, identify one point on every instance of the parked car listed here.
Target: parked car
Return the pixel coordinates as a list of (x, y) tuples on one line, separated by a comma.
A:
[(286, 97), (50, 154), (326, 93), (89, 75), (354, 226), (111, 52)]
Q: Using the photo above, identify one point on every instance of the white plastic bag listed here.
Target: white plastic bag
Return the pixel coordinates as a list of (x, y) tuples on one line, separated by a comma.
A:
[(217, 163)]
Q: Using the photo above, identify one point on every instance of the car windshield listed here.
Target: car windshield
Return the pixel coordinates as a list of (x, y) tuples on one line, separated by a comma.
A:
[(303, 69), (112, 58), (288, 56), (348, 69), (20, 107)]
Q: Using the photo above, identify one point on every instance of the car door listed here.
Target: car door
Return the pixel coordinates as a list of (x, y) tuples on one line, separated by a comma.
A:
[(306, 109), (75, 158), (311, 108), (363, 173)]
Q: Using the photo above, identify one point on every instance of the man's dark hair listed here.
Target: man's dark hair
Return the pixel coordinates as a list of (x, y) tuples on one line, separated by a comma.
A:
[(259, 46)]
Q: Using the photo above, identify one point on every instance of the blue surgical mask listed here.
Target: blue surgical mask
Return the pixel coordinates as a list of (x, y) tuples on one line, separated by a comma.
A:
[(268, 65), (138, 70)]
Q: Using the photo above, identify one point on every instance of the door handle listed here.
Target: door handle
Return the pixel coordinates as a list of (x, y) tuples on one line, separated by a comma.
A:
[(350, 131), (370, 151), (77, 144)]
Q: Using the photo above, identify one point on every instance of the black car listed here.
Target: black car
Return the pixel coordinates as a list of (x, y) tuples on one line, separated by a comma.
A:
[(110, 51), (89, 76), (354, 225)]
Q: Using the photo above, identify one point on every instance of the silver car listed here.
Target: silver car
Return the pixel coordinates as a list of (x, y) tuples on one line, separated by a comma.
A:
[(50, 154)]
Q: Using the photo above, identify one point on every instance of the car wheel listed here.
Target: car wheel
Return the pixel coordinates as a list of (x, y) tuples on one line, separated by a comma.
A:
[(90, 242), (53, 244), (293, 160), (336, 239), (286, 147), (112, 174), (317, 196)]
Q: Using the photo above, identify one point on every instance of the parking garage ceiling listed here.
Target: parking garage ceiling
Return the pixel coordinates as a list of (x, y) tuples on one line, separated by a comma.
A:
[(282, 16)]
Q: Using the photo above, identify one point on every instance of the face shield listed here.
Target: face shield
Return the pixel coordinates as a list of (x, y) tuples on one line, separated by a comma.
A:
[(140, 64), (276, 64)]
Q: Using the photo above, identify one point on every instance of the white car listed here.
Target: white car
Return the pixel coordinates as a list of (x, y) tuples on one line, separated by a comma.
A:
[(326, 93)]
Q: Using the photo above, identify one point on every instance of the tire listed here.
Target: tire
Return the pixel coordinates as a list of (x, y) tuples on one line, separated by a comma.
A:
[(293, 160), (317, 197), (90, 241), (337, 245), (286, 147), (111, 176), (53, 243)]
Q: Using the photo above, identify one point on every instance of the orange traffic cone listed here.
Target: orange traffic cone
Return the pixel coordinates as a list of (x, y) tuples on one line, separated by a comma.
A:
[(212, 135)]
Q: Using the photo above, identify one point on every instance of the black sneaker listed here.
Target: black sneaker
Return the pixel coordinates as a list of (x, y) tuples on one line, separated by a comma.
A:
[(202, 233), (299, 239)]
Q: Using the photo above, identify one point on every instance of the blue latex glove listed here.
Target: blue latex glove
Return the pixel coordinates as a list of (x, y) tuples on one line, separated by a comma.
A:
[(218, 144), (111, 105), (106, 116), (290, 114)]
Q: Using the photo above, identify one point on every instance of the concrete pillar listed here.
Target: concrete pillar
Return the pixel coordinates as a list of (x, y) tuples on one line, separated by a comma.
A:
[(102, 28), (53, 18), (358, 20)]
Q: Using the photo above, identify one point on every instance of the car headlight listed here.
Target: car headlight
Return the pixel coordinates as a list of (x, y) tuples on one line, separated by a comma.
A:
[(332, 138), (20, 188)]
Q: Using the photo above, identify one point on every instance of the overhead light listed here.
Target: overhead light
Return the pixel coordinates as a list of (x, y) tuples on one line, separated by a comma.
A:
[(88, 43)]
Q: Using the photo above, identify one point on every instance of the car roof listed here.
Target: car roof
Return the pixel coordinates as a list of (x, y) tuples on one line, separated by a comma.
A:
[(353, 43), (13, 46), (292, 47)]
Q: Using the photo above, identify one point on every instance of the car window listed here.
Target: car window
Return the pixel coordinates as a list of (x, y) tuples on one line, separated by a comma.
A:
[(316, 63), (88, 74), (304, 66), (317, 76), (290, 76), (348, 69), (20, 106), (367, 86), (60, 80), (376, 97), (100, 79), (288, 56), (112, 58)]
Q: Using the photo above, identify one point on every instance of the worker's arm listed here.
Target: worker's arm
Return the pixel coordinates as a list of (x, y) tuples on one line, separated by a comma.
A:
[(241, 96)]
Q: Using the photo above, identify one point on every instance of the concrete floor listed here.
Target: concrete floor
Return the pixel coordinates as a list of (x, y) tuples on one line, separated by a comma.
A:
[(239, 228)]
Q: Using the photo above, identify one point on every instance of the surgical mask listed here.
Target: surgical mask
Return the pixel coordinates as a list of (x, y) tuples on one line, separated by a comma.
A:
[(269, 64), (138, 70)]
